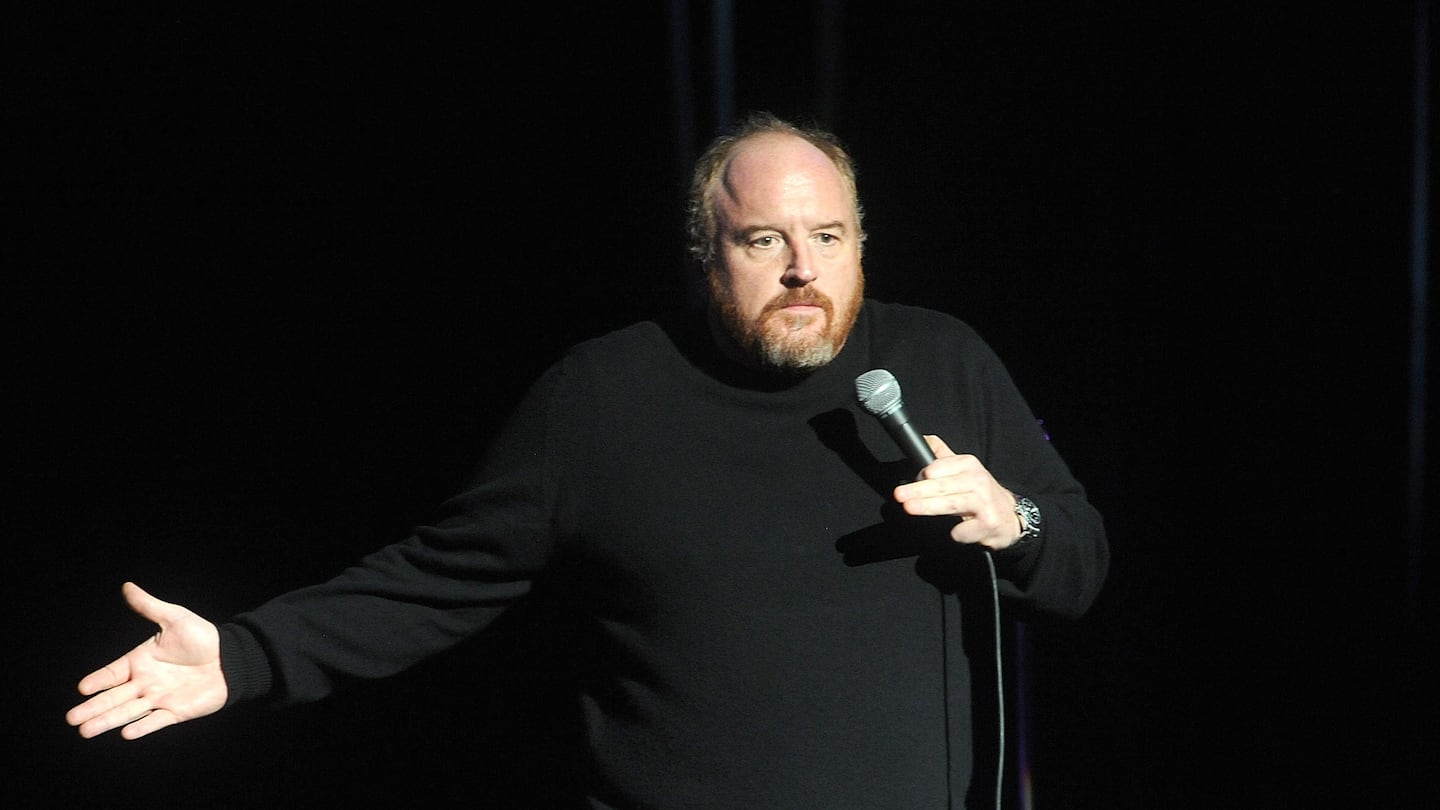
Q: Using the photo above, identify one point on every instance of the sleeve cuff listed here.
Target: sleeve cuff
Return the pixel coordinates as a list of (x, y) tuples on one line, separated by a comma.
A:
[(244, 663)]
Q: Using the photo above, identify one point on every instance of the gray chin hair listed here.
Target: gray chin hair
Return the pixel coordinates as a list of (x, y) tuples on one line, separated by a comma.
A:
[(783, 356)]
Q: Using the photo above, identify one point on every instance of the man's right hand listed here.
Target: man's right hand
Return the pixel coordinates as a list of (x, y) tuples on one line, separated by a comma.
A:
[(172, 677)]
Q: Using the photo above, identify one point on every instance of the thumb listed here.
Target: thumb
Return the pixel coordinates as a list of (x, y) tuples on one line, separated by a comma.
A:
[(146, 605), (938, 446)]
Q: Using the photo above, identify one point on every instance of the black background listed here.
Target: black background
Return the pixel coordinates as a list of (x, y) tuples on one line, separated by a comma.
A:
[(275, 277)]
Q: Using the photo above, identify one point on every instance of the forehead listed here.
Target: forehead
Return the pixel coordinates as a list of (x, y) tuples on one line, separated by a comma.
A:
[(776, 169)]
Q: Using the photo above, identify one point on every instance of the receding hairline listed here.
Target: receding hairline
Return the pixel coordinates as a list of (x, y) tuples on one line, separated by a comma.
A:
[(714, 164), (723, 177)]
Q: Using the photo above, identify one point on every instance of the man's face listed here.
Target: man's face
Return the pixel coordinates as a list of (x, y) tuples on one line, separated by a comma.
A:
[(787, 283)]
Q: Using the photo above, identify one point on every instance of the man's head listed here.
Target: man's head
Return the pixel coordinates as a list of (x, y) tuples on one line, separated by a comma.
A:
[(775, 222)]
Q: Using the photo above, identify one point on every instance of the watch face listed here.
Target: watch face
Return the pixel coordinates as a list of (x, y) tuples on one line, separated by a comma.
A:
[(1029, 514)]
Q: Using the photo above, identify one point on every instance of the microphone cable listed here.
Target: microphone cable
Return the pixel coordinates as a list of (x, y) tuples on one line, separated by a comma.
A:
[(999, 683)]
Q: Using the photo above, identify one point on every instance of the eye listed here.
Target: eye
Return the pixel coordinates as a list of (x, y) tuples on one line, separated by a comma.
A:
[(827, 238), (764, 242)]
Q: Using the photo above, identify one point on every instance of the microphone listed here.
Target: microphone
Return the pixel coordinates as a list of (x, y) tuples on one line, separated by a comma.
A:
[(879, 395)]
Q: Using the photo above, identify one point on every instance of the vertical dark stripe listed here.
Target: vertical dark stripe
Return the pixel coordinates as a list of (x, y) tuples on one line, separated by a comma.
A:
[(1419, 296), (682, 89), (829, 48), (1024, 785), (723, 41)]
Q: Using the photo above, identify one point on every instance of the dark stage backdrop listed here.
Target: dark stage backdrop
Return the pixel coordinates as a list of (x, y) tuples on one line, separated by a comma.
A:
[(275, 278)]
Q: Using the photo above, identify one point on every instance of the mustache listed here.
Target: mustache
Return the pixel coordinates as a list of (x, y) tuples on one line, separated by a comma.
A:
[(803, 296)]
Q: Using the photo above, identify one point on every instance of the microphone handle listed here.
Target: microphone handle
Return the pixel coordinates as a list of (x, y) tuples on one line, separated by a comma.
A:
[(898, 425)]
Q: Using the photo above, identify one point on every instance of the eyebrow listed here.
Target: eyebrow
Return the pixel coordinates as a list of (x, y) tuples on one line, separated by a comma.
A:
[(745, 233)]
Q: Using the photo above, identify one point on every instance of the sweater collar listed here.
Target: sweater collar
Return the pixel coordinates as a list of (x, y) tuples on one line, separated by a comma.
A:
[(690, 333)]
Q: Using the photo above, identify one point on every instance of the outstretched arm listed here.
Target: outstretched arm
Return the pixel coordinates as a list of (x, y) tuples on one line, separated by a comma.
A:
[(171, 677)]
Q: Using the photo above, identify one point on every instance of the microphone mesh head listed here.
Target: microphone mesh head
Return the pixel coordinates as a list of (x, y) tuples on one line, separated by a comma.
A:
[(878, 392)]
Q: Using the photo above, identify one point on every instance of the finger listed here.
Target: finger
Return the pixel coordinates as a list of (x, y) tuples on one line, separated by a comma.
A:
[(100, 704), (111, 714), (940, 499), (93, 727), (967, 532), (148, 606), (107, 677), (939, 486), (121, 717), (959, 504), (152, 722), (938, 446), (98, 725)]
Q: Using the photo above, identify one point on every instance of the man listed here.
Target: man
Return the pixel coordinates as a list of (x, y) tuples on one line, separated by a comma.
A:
[(768, 604)]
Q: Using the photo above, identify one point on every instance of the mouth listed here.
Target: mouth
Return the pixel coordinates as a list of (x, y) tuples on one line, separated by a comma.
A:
[(800, 304), (795, 318)]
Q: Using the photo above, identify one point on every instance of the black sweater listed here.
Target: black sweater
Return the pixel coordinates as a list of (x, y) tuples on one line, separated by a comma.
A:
[(755, 623)]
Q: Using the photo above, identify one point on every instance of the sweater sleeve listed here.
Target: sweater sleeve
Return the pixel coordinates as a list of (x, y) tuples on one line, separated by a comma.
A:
[(964, 393), (1058, 574), (417, 597)]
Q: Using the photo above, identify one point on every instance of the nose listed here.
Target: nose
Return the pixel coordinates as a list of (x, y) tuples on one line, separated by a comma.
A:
[(799, 266)]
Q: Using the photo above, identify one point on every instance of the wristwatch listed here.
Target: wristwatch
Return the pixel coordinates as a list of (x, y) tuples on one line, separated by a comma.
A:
[(1030, 520)]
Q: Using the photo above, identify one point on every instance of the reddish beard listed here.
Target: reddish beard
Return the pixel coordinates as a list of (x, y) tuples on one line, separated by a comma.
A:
[(798, 297), (777, 340)]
